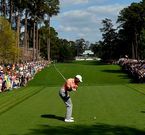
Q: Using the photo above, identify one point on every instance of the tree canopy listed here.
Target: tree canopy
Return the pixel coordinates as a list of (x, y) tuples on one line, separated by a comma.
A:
[(8, 48)]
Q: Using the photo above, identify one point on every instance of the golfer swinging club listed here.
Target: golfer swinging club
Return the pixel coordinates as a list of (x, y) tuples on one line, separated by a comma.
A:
[(70, 85)]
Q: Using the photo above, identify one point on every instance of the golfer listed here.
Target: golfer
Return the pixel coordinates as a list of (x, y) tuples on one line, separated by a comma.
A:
[(71, 84)]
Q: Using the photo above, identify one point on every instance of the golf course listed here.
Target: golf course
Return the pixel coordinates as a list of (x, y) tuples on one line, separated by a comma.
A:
[(107, 102)]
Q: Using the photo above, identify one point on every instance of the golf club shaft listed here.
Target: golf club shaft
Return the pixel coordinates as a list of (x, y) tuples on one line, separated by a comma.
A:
[(59, 72)]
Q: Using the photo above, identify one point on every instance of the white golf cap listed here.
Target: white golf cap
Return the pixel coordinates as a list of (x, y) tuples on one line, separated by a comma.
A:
[(79, 77)]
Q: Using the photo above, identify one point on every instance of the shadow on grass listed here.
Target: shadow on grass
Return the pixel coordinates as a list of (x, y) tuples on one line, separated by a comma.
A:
[(113, 71), (89, 63), (142, 111), (51, 116), (97, 129), (122, 75)]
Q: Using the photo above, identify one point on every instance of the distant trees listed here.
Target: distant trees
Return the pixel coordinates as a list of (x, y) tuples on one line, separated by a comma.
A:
[(128, 38), (132, 20), (61, 49), (109, 39), (80, 46), (44, 35), (98, 49)]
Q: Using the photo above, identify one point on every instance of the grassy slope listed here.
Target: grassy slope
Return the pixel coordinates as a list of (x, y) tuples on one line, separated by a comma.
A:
[(105, 94)]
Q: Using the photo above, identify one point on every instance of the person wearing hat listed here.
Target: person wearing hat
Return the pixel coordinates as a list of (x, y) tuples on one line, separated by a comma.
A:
[(71, 84)]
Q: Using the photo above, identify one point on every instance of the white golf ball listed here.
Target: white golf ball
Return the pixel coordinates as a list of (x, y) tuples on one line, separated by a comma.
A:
[(94, 118)]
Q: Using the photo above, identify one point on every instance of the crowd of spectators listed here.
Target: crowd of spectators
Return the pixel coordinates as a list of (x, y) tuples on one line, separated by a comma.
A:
[(134, 67), (13, 76)]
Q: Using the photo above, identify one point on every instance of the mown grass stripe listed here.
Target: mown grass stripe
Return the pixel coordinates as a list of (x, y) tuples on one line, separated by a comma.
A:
[(14, 94), (14, 97), (18, 100), (10, 92), (139, 90)]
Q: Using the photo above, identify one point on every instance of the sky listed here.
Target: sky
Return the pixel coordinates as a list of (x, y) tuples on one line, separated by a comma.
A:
[(82, 18)]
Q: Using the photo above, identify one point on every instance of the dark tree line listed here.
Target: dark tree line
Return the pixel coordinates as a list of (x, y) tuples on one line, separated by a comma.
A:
[(128, 38)]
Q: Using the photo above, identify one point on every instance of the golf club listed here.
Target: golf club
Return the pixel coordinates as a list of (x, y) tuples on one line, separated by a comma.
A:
[(59, 71)]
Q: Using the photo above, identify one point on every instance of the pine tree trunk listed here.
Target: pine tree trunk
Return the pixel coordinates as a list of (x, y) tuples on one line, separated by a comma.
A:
[(133, 54), (37, 42), (48, 40), (34, 41), (28, 56), (25, 37), (48, 48), (11, 11), (136, 46), (4, 8), (1, 7), (18, 35)]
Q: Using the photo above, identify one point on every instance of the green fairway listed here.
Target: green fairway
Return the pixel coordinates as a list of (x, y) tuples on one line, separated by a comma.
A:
[(106, 103)]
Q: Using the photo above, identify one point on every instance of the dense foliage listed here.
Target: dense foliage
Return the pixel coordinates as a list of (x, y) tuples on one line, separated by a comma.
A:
[(127, 38), (8, 49)]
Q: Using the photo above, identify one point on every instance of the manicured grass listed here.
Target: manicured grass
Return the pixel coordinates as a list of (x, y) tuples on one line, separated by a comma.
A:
[(92, 74), (106, 103)]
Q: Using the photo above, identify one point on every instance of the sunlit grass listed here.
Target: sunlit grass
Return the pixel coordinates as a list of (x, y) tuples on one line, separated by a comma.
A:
[(106, 103)]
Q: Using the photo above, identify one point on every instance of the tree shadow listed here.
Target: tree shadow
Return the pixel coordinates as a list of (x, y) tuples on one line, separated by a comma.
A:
[(51, 116), (122, 75), (113, 71), (94, 62), (97, 129)]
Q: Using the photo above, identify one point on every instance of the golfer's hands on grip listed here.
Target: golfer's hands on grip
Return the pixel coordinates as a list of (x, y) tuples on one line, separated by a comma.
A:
[(74, 88)]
